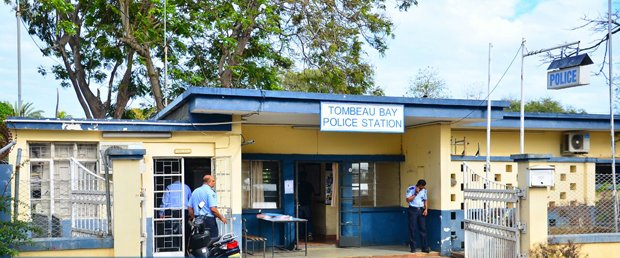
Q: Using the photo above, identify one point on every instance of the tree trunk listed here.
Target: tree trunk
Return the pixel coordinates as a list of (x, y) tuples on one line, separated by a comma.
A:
[(124, 95), (154, 79)]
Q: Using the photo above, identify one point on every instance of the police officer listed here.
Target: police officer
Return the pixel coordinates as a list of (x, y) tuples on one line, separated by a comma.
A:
[(174, 202), (203, 203), (417, 211)]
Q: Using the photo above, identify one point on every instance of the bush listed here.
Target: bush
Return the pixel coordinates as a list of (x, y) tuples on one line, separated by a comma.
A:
[(570, 250)]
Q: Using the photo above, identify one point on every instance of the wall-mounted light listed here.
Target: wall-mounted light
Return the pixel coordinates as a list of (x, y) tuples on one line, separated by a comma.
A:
[(248, 142)]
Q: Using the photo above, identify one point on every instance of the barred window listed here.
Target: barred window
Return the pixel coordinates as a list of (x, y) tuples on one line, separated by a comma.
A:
[(261, 180), (67, 192), (378, 184)]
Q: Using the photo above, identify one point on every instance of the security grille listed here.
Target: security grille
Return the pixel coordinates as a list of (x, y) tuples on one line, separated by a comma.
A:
[(221, 168), (169, 226), (65, 199)]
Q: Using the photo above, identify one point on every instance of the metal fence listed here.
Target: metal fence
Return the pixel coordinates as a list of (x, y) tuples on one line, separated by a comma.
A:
[(582, 204), (491, 210)]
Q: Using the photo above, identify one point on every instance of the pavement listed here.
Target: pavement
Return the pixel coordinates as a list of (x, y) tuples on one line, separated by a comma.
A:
[(353, 252)]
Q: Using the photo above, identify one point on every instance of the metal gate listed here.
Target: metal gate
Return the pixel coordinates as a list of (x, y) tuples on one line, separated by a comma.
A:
[(492, 224), (169, 226), (88, 202), (221, 169)]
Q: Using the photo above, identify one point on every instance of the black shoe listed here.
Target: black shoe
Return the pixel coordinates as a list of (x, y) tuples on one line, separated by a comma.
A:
[(426, 250)]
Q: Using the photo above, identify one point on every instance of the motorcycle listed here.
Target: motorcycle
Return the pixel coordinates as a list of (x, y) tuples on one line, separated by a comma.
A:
[(201, 243)]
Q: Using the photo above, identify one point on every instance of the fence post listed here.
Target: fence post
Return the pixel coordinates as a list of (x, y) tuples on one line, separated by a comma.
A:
[(127, 217), (533, 207)]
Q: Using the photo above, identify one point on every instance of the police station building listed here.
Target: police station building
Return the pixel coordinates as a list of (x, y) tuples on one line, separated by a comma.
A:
[(358, 154)]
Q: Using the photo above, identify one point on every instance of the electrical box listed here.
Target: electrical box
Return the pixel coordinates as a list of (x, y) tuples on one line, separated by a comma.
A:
[(541, 176)]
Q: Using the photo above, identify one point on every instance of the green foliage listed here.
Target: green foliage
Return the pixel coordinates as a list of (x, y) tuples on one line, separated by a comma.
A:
[(542, 105), (570, 250), (63, 114), (13, 233), (139, 113), (26, 110), (266, 44), (427, 84), (5, 110)]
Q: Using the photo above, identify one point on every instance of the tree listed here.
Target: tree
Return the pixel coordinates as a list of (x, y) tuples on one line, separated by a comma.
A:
[(542, 105), (5, 110), (427, 84), (118, 45), (26, 110), (63, 115)]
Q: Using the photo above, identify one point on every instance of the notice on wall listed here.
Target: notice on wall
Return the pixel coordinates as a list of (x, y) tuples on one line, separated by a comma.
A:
[(289, 187), (351, 117)]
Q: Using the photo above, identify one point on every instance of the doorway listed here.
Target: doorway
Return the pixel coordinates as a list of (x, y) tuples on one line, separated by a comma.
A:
[(314, 188), (170, 232)]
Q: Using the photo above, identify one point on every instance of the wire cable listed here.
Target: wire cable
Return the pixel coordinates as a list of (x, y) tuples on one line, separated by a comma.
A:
[(495, 87)]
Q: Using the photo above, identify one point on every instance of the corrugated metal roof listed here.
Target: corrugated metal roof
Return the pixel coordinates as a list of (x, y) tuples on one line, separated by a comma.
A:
[(583, 59)]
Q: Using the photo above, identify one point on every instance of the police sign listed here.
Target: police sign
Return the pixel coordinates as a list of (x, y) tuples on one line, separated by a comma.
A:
[(352, 117), (568, 77), (569, 72)]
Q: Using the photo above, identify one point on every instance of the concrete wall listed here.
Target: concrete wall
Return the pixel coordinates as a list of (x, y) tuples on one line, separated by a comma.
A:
[(505, 143), (199, 144), (109, 252), (427, 156), (289, 140)]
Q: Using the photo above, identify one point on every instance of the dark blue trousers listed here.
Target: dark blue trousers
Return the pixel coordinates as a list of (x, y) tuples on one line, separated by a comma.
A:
[(417, 224), (211, 225)]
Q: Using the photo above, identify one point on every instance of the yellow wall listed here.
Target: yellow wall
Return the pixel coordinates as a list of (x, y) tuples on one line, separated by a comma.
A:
[(289, 140), (71, 253), (505, 143), (201, 144), (595, 250), (427, 156)]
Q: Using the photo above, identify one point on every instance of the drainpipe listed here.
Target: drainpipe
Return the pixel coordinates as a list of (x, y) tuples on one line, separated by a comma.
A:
[(16, 201)]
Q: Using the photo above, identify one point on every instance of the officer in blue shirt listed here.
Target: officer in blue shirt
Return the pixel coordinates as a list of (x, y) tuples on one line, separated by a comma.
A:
[(175, 198), (417, 211), (203, 203)]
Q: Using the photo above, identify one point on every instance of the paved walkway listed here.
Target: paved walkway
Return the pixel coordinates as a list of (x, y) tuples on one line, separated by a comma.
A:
[(363, 252)]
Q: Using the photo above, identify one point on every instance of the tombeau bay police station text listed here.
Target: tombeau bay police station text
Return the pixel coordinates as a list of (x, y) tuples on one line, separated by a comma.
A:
[(364, 116)]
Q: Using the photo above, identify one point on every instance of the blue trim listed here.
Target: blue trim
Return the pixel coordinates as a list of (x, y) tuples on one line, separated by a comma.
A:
[(320, 157), (120, 125), (526, 157), (553, 121), (289, 95), (149, 237), (585, 238), (130, 154), (6, 172), (230, 101), (551, 159), (480, 158), (68, 243)]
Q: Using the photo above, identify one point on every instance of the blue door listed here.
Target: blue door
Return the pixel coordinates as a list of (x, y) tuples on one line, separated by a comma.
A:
[(350, 213)]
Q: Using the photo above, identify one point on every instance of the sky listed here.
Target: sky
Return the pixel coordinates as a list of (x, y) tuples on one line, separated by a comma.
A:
[(451, 36)]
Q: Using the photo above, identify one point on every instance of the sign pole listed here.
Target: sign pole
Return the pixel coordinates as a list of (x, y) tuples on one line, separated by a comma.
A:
[(522, 107), (611, 117)]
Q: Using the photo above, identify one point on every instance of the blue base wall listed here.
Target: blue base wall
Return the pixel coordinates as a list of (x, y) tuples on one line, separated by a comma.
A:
[(381, 226), (445, 232), (384, 226)]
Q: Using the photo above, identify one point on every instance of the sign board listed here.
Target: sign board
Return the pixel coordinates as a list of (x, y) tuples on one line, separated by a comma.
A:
[(541, 176), (353, 117), (568, 77)]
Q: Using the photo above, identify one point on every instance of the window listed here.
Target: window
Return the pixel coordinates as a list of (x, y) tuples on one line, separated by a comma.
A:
[(378, 184), (66, 195), (261, 184)]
